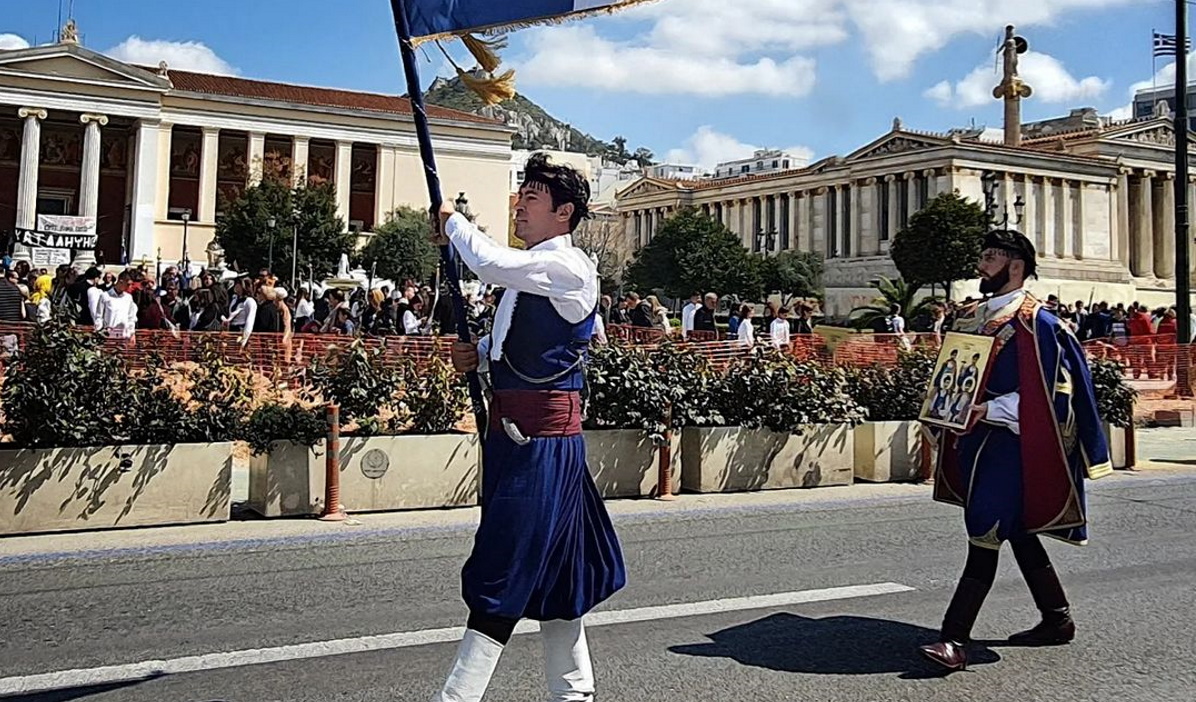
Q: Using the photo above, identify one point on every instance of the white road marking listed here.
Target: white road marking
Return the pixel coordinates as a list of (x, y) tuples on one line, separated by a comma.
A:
[(84, 677)]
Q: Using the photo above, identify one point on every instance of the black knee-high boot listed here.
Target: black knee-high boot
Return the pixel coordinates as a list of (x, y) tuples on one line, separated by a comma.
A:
[(1056, 627), (951, 649)]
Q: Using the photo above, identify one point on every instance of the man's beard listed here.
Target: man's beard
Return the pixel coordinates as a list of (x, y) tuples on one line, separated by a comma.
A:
[(988, 286)]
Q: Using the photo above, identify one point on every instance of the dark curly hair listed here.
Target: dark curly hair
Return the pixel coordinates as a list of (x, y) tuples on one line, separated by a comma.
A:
[(565, 184)]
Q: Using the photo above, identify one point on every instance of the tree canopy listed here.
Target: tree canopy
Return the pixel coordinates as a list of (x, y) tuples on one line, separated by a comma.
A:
[(306, 214), (793, 274), (941, 243), (401, 248), (692, 252)]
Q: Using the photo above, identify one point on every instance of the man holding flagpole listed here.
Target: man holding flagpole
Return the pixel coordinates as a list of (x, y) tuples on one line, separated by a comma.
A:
[(545, 549)]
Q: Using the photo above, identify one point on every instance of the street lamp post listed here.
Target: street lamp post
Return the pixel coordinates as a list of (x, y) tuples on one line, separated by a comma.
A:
[(294, 255), (186, 261), (992, 187), (270, 261)]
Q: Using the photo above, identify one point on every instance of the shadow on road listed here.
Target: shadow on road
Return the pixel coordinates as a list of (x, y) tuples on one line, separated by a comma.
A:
[(843, 645), (76, 693)]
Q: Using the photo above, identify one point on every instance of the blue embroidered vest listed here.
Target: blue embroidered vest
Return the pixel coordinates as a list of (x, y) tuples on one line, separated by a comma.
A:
[(542, 350)]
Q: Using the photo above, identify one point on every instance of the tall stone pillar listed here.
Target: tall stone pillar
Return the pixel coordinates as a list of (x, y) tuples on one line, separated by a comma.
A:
[(1077, 219), (31, 144), (1063, 217), (146, 170), (257, 156), (932, 185), (1121, 218), (343, 180), (869, 222), (89, 180), (1029, 223), (894, 210), (208, 165), (300, 151), (1142, 225), (819, 233), (1164, 227), (1052, 238), (801, 229), (165, 146)]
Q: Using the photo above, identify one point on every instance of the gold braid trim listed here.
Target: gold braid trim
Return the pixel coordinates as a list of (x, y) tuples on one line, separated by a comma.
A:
[(490, 88)]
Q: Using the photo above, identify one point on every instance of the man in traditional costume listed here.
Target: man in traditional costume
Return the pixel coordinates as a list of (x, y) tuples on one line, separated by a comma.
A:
[(545, 549), (1019, 469)]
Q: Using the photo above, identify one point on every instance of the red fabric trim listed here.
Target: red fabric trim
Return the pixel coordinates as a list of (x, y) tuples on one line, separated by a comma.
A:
[(1046, 487), (537, 413)]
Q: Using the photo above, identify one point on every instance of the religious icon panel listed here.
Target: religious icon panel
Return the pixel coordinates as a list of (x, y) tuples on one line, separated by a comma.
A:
[(957, 381)]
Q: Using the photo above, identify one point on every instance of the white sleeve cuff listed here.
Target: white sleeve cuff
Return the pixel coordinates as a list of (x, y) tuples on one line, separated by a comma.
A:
[(1003, 410)]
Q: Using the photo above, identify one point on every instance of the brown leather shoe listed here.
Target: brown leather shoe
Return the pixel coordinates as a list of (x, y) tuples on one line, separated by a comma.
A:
[(1055, 629), (950, 655)]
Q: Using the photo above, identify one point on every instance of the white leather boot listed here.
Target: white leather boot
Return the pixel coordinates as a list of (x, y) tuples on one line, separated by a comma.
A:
[(477, 656), (567, 666)]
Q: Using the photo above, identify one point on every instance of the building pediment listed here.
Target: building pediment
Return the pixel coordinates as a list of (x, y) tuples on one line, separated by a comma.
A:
[(897, 142), (1153, 133), (646, 186), (70, 63)]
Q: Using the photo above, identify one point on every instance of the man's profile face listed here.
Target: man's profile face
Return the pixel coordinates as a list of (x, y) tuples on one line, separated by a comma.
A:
[(535, 218)]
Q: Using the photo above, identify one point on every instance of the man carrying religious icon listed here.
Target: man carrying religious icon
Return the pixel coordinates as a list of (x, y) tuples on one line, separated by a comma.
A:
[(545, 549), (1018, 469)]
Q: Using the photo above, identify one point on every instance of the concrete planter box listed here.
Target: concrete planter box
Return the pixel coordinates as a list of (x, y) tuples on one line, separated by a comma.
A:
[(114, 486), (1116, 439), (624, 462), (733, 459), (378, 473), (887, 451)]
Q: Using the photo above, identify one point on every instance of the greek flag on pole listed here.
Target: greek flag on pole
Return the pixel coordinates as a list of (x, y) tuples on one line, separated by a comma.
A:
[(441, 18), (1168, 44)]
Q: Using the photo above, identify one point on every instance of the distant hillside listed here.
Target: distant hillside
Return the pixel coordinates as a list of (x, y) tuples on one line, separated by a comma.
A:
[(536, 129)]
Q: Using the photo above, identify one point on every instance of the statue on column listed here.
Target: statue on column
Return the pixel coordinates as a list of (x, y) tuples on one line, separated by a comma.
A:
[(1012, 89)]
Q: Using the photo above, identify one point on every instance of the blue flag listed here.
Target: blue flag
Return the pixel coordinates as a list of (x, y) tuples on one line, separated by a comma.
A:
[(440, 18)]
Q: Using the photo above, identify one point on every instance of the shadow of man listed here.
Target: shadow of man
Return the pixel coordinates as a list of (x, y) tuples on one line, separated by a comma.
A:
[(840, 645)]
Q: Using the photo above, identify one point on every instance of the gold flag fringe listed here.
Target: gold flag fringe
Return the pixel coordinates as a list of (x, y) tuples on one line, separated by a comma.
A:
[(485, 51), (492, 89)]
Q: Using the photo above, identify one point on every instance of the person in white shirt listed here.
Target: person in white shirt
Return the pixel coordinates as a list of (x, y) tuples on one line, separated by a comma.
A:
[(747, 333), (687, 314), (95, 296), (543, 521), (660, 315), (411, 323), (118, 310), (244, 313), (778, 331)]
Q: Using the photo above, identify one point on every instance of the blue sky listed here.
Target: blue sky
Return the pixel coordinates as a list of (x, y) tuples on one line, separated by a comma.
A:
[(702, 80)]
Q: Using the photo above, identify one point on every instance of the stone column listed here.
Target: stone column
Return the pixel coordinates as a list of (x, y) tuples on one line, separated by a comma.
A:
[(31, 144), (1164, 227), (802, 230), (1052, 237), (931, 183), (384, 183), (1063, 219), (838, 232), (1121, 217), (1077, 220), (89, 179), (300, 150), (1029, 223), (818, 231), (894, 209), (343, 179), (208, 166), (165, 144), (145, 189), (911, 194), (869, 221), (257, 155), (1142, 226)]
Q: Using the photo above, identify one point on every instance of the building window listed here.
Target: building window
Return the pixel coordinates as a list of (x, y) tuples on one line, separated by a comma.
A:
[(759, 165), (923, 185), (832, 223), (883, 211), (785, 164), (902, 203), (745, 169), (774, 164), (757, 206)]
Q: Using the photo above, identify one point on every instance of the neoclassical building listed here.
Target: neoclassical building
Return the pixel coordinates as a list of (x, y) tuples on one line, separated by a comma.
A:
[(143, 149), (1096, 198)]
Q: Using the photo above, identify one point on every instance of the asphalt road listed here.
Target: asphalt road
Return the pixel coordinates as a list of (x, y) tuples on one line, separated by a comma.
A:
[(1132, 591)]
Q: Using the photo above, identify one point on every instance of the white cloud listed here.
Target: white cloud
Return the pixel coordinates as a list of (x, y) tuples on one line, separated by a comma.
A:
[(11, 42), (898, 32), (1050, 79), (708, 147), (576, 56), (183, 55), (1164, 78)]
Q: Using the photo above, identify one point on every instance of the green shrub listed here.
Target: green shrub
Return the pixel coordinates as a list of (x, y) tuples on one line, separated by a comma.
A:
[(892, 394), (278, 422), (1114, 397), (770, 389)]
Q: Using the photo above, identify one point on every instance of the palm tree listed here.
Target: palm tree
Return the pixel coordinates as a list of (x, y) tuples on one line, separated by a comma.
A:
[(892, 292)]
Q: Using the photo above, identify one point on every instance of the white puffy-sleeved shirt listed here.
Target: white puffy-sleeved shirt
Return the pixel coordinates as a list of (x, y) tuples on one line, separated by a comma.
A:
[(554, 269), (778, 332)]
